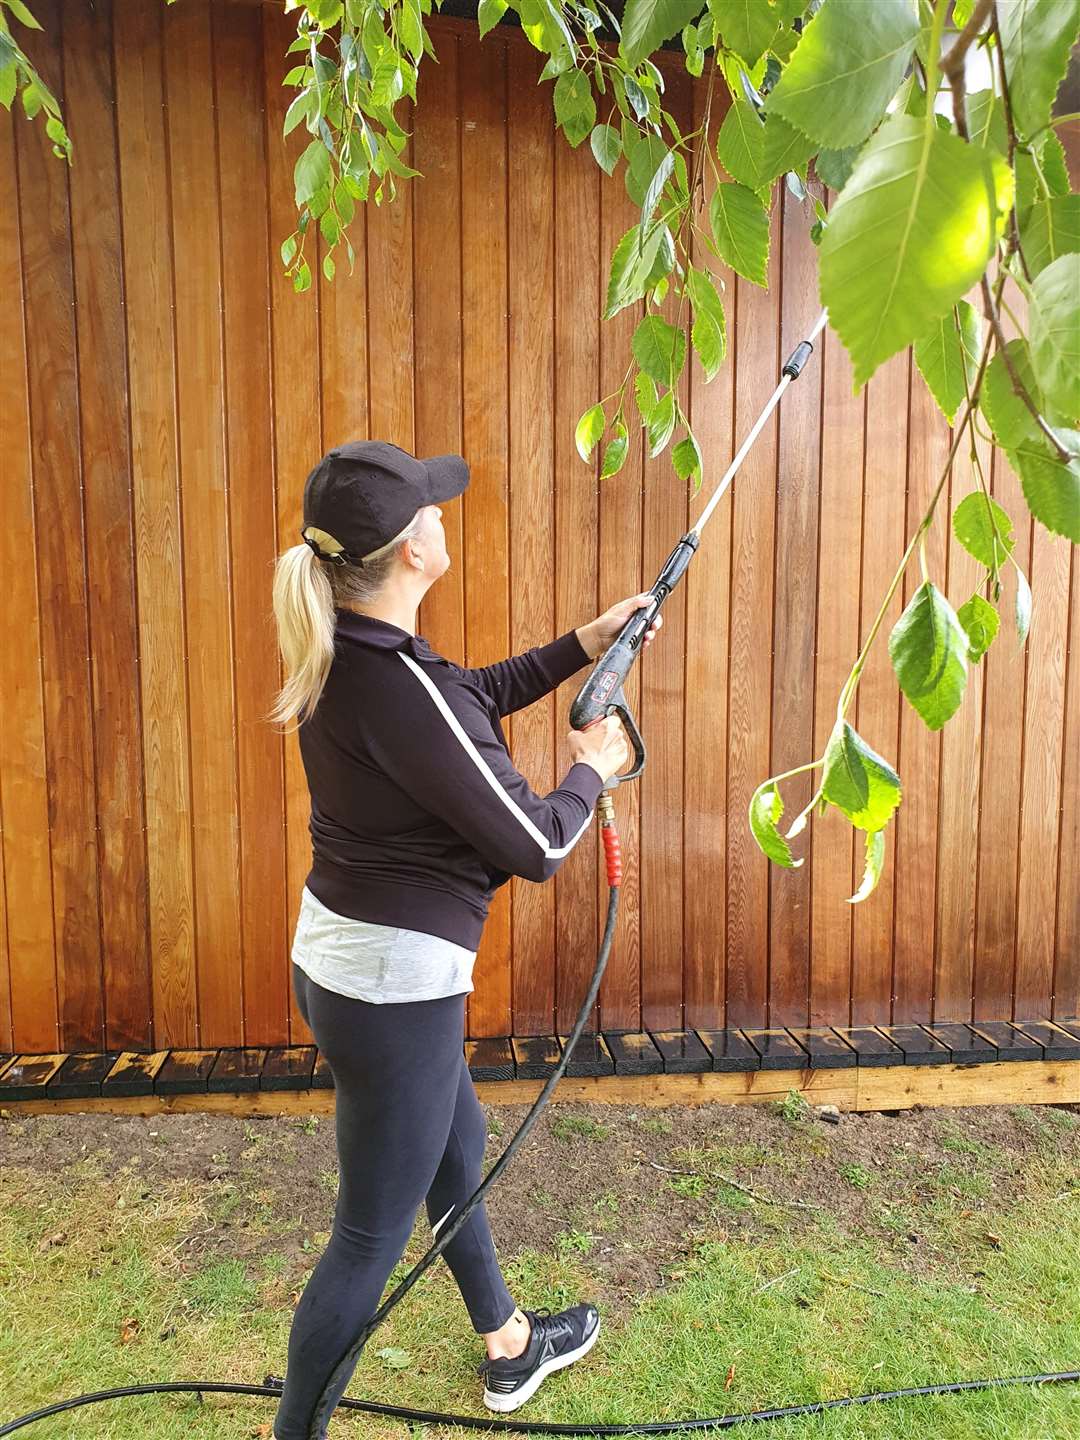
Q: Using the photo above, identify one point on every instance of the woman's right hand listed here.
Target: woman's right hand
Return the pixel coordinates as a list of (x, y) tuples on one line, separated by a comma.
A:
[(604, 745)]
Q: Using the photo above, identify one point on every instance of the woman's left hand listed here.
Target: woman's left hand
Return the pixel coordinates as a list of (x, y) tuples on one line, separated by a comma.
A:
[(601, 632)]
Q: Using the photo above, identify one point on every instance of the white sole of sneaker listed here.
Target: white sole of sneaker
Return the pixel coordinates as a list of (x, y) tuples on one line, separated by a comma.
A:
[(505, 1403)]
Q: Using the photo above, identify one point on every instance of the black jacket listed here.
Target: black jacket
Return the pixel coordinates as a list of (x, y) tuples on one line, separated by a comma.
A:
[(417, 812)]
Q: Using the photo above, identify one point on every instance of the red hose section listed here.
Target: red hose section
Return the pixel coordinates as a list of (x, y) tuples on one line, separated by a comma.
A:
[(613, 855)]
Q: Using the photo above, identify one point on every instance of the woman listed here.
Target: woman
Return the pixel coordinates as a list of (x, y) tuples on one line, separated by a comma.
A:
[(417, 817)]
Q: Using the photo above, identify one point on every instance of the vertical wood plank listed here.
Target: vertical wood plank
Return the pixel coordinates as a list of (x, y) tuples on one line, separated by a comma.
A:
[(838, 637), (200, 414), (1040, 804), (1067, 964), (919, 754), (878, 698), (961, 741), (665, 518), (237, 52), (1003, 740), (485, 357), (708, 590), (297, 437), (753, 495), (391, 318), (110, 542), (52, 360), (147, 233), (28, 972), (577, 386), (619, 573), (532, 555), (437, 252), (795, 607)]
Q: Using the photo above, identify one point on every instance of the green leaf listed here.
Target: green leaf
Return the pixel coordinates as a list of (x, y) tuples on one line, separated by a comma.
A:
[(909, 235), (948, 356), (846, 68), (986, 121), (589, 430), (9, 75), (1051, 228), (1023, 606), (615, 452), (875, 863), (660, 349), (328, 266), (635, 269), (489, 13), (645, 394), (606, 146), (394, 1358), (311, 172), (1051, 486), (22, 14), (1055, 166), (928, 648), (686, 457), (740, 229), (1054, 331), (980, 621), (786, 149), (652, 195), (834, 167), (709, 332), (858, 781), (646, 158), (1008, 416), (766, 807), (1036, 37), (575, 108), (288, 249), (745, 26), (741, 143), (646, 24), (661, 423), (974, 521)]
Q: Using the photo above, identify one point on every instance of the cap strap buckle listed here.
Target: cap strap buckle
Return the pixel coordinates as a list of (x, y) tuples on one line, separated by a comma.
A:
[(341, 558)]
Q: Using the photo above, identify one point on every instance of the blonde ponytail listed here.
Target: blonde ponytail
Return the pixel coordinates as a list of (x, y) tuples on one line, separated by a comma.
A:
[(307, 591)]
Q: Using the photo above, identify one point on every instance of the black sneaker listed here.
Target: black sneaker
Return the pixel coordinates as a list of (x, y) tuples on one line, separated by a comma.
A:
[(555, 1341)]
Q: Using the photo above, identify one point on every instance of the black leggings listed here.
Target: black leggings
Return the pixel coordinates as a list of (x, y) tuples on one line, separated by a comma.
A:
[(409, 1128)]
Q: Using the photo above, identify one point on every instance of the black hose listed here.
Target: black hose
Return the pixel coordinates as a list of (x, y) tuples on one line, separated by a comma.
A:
[(347, 1363), (540, 1427)]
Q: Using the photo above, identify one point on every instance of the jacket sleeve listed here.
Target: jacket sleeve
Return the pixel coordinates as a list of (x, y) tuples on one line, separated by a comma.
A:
[(517, 682), (449, 759)]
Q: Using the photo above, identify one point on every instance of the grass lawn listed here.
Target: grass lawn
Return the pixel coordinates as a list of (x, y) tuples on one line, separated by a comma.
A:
[(926, 1246)]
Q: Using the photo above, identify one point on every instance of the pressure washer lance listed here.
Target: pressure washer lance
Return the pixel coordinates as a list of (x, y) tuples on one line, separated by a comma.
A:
[(602, 694)]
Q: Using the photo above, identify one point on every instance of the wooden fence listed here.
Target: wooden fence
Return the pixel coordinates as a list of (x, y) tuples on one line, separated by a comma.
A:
[(163, 394)]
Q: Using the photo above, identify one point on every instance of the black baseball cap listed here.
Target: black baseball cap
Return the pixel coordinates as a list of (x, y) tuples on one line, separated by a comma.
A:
[(360, 495)]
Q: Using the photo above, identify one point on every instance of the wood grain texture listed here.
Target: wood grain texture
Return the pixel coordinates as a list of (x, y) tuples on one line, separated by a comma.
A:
[(577, 386), (708, 596), (201, 436), (482, 88), (165, 394), (798, 490), (246, 258), (756, 345), (299, 431), (56, 470), (163, 675), (531, 178), (28, 958)]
